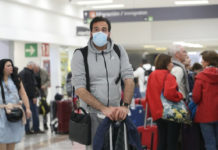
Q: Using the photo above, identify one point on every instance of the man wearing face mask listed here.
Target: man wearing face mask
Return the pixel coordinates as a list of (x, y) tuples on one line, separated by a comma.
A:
[(105, 67)]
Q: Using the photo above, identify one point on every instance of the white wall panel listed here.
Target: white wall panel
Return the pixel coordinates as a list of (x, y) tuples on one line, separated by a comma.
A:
[(165, 32), (203, 29), (20, 22), (4, 49)]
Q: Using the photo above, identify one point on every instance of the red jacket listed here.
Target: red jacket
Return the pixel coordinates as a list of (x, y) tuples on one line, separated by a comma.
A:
[(205, 95), (155, 86)]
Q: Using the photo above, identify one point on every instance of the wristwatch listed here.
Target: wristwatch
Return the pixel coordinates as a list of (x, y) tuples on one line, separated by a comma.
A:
[(126, 105)]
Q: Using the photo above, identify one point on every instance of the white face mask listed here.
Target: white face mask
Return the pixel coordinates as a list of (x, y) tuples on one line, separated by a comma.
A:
[(99, 38)]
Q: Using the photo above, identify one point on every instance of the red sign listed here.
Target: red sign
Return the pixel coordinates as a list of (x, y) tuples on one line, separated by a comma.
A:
[(45, 49)]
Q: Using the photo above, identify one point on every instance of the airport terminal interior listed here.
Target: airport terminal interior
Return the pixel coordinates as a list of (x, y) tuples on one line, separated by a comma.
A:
[(47, 32)]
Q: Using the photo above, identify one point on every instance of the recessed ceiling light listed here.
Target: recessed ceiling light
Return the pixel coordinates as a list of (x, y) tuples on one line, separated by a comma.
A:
[(108, 6), (193, 2), (186, 44), (149, 46), (161, 48), (94, 2)]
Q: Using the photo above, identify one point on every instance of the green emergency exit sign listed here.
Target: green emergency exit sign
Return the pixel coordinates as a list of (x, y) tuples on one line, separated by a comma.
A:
[(31, 50)]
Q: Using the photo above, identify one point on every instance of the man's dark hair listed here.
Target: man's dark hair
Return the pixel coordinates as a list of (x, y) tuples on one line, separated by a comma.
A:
[(98, 19), (196, 66), (144, 61), (211, 57), (162, 61)]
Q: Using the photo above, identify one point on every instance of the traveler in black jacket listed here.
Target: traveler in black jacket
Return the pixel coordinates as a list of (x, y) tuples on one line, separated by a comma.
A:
[(29, 82)]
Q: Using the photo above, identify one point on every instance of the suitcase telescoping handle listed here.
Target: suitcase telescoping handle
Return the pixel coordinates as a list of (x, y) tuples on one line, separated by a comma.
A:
[(125, 137), (146, 114)]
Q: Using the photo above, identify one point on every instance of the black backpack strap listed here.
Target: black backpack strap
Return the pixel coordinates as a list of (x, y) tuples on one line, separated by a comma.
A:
[(117, 50), (147, 72), (84, 51)]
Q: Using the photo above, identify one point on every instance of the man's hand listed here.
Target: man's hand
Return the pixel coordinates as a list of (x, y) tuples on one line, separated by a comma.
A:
[(115, 113), (34, 100), (121, 113), (109, 112), (43, 87), (28, 113)]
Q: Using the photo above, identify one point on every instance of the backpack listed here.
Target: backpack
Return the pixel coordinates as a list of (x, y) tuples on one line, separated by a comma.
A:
[(84, 51), (43, 106), (146, 74)]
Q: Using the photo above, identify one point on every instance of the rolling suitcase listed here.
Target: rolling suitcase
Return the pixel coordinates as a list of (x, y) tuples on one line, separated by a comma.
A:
[(137, 115), (113, 145), (53, 117), (148, 134), (140, 101), (64, 109)]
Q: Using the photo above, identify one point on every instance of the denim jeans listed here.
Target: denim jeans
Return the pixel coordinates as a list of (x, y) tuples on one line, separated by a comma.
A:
[(35, 117), (210, 135)]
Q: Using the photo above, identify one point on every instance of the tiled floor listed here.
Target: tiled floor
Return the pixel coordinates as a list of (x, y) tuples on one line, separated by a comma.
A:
[(48, 141)]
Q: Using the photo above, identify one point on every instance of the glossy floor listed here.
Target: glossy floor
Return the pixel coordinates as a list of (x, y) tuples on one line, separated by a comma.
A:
[(47, 141)]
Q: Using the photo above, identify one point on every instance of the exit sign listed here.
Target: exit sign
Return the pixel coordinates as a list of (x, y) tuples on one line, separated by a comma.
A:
[(31, 50)]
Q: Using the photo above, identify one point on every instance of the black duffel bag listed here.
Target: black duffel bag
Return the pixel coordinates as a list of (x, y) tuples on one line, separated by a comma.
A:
[(80, 127)]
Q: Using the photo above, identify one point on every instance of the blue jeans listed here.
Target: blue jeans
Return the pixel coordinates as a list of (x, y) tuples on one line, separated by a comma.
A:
[(210, 135), (35, 117)]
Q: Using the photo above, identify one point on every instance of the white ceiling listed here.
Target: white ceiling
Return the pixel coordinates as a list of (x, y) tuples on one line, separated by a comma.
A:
[(138, 3), (59, 5)]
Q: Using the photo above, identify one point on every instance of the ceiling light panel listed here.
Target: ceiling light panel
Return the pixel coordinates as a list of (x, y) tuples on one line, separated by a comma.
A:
[(108, 6), (186, 44), (94, 2), (193, 2)]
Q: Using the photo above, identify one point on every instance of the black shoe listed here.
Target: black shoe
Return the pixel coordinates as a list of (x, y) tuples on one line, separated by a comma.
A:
[(29, 132), (39, 132), (45, 127)]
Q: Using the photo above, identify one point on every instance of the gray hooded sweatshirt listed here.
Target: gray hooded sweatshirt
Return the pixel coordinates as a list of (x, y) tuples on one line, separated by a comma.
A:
[(102, 76)]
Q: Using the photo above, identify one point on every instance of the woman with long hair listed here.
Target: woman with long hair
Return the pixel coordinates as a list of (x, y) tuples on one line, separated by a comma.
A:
[(161, 80), (11, 132)]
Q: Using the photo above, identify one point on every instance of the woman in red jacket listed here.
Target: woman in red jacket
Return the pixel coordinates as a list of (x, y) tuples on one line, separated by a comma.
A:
[(161, 78), (205, 95)]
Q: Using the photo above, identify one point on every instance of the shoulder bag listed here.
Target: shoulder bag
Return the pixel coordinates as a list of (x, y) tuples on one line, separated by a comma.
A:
[(175, 111), (15, 114)]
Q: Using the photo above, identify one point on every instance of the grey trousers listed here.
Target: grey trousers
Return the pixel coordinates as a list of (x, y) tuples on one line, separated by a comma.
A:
[(95, 120)]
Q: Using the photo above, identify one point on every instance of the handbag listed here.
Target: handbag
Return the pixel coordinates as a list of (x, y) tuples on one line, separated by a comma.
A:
[(175, 111), (15, 114), (80, 127)]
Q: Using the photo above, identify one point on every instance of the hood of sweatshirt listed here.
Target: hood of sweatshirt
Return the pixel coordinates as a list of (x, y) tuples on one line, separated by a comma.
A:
[(209, 74)]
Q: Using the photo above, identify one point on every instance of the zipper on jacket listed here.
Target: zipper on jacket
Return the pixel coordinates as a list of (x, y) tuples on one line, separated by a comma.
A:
[(106, 77)]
